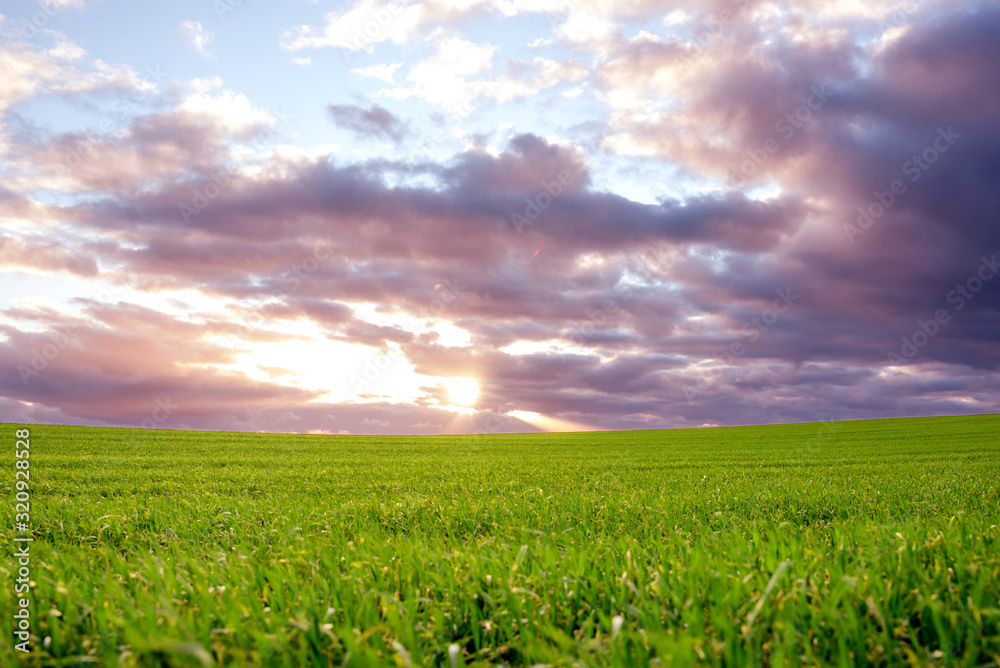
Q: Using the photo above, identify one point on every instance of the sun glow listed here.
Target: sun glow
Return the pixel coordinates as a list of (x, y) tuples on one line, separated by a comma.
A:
[(546, 423), (463, 391)]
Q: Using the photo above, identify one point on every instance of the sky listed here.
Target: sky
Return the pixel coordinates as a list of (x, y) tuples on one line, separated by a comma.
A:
[(489, 216)]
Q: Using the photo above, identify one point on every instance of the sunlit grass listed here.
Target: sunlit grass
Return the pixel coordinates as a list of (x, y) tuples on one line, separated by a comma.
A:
[(849, 543)]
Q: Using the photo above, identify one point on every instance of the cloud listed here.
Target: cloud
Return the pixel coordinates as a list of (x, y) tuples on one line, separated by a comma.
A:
[(460, 73), (443, 78), (742, 301), (195, 34), (360, 27), (198, 137), (32, 71), (228, 110), (382, 72), (375, 122), (42, 255), (368, 23)]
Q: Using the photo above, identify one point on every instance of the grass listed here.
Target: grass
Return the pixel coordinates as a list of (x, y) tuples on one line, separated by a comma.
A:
[(851, 543)]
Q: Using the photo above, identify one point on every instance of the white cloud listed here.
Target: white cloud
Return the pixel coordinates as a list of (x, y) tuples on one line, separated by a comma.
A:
[(459, 73), (196, 35), (383, 72), (102, 77), (367, 23), (204, 84), (533, 76), (443, 78), (591, 27), (233, 111), (30, 72)]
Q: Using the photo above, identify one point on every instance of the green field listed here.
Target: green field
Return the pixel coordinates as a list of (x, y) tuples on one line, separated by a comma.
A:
[(850, 543)]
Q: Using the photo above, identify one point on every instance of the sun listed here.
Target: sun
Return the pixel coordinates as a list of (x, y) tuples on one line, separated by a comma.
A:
[(463, 391)]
